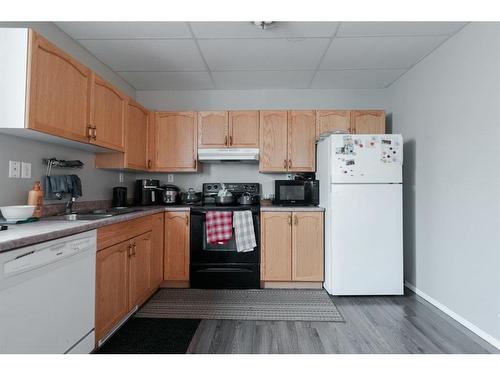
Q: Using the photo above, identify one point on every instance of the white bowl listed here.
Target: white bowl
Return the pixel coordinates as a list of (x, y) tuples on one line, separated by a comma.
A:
[(16, 213)]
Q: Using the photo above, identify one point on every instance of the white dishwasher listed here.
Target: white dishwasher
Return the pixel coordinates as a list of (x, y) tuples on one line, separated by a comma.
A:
[(47, 296)]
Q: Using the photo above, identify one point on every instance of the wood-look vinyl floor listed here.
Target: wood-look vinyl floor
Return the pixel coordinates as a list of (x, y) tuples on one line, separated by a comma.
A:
[(385, 324)]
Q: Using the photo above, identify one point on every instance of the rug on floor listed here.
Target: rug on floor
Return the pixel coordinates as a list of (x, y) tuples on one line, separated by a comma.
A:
[(151, 336), (237, 304)]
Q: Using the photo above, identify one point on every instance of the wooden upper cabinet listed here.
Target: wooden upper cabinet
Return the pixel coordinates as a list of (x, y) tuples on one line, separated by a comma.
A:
[(107, 115), (213, 129), (301, 141), (307, 246), (175, 142), (140, 269), (273, 141), (176, 258), (112, 301), (136, 138), (59, 88), (244, 129), (368, 122), (276, 254), (330, 121)]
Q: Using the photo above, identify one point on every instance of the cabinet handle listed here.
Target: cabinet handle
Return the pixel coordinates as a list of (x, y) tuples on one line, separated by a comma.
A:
[(296, 220), (284, 164), (194, 163), (133, 248), (289, 220), (230, 140), (225, 140), (129, 250), (150, 163), (89, 132), (187, 220), (94, 133), (289, 163)]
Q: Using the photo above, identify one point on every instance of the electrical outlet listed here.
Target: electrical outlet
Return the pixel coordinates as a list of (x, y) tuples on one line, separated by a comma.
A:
[(25, 170), (170, 178), (120, 177), (14, 169)]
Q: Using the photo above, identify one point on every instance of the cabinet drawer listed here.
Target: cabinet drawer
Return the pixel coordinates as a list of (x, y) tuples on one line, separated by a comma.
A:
[(115, 233)]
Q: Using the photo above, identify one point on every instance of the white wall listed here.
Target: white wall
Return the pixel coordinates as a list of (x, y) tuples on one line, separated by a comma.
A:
[(55, 35), (199, 100), (448, 110)]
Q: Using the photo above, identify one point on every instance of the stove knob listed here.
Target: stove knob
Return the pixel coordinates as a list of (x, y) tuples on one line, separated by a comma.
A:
[(209, 187), (216, 187)]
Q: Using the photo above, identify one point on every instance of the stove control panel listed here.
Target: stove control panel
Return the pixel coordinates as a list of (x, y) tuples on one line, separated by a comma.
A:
[(238, 187)]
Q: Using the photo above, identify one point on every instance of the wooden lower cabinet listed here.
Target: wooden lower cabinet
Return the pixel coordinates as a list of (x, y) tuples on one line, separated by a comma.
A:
[(176, 258), (128, 270), (292, 246), (112, 274), (157, 238), (140, 269), (307, 246)]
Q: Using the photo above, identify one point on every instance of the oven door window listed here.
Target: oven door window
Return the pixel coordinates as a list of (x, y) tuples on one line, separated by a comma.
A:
[(292, 192), (227, 247)]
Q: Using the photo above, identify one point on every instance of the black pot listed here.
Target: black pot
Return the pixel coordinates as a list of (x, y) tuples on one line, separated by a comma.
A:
[(191, 197)]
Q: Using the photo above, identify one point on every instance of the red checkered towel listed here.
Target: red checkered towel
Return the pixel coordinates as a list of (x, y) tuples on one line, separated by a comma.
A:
[(219, 226)]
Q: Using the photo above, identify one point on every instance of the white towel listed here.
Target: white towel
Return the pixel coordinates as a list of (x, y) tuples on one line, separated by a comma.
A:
[(244, 232)]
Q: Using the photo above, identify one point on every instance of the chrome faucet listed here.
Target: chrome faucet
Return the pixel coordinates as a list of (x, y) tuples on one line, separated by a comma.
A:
[(69, 206)]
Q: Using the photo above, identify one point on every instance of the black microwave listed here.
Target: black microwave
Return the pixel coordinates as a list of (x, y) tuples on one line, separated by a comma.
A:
[(296, 192)]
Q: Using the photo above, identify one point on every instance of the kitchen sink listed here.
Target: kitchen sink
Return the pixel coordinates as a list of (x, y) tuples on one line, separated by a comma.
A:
[(94, 215)]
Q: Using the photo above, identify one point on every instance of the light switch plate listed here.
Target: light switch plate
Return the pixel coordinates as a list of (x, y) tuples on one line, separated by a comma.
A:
[(25, 170), (120, 177), (170, 178), (14, 169)]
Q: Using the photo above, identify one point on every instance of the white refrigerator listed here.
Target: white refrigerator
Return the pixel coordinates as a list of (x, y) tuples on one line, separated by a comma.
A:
[(361, 190)]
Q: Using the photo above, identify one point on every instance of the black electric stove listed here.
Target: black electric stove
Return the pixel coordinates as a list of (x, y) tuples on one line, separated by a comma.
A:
[(221, 266)]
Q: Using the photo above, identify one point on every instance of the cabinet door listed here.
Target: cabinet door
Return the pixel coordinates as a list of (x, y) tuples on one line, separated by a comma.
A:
[(157, 237), (301, 141), (176, 259), (244, 129), (328, 121), (307, 246), (140, 269), (213, 129), (107, 115), (276, 246), (111, 287), (273, 141), (136, 145), (175, 147), (59, 88), (368, 122)]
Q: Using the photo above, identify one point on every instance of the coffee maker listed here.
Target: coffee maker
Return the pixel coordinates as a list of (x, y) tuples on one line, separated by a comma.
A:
[(147, 192)]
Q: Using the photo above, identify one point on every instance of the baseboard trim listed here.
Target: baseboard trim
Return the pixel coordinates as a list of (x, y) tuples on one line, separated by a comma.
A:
[(291, 284), (174, 284), (467, 324)]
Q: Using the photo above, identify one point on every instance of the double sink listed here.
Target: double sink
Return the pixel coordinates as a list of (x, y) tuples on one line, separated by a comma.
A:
[(96, 214)]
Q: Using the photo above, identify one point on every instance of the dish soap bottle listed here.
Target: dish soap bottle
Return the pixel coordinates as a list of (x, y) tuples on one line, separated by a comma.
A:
[(35, 198)]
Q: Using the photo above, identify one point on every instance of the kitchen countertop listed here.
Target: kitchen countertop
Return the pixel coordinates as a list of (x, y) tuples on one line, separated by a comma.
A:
[(290, 208), (21, 235)]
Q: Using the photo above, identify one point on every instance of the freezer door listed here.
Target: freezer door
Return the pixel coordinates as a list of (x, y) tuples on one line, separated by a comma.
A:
[(366, 158), (366, 240)]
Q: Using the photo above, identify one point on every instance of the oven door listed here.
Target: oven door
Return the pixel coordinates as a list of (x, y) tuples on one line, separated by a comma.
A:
[(203, 252)]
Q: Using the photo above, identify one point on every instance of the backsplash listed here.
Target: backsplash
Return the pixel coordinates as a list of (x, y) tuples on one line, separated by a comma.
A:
[(219, 172), (97, 184)]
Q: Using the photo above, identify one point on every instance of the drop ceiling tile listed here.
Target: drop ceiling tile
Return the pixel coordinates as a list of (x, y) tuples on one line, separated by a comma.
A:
[(147, 54), (398, 28), (248, 30), (263, 54), (355, 79), (125, 30), (263, 79), (378, 52), (169, 80)]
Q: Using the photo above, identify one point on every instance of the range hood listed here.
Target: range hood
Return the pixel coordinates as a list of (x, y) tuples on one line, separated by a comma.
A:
[(228, 155)]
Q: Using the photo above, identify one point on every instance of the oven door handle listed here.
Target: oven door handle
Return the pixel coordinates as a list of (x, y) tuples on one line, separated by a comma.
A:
[(224, 269)]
